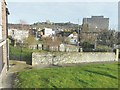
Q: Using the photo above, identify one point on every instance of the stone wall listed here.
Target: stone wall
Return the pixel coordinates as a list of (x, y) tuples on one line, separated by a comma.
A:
[(70, 57)]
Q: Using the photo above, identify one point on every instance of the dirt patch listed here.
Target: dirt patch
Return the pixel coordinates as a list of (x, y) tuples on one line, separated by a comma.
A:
[(16, 66)]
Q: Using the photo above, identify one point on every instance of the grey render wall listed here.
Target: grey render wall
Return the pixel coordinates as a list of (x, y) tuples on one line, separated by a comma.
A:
[(70, 57), (99, 21)]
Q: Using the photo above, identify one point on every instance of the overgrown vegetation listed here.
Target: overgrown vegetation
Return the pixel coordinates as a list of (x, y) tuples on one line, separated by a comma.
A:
[(88, 47), (82, 76), (20, 53)]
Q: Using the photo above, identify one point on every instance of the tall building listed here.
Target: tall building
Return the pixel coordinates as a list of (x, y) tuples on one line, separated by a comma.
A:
[(97, 22), (4, 51)]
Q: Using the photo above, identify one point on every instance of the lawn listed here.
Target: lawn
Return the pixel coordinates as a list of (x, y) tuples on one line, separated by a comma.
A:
[(82, 76)]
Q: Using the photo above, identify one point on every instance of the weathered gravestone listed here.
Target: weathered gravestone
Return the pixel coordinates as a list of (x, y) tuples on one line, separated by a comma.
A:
[(62, 47)]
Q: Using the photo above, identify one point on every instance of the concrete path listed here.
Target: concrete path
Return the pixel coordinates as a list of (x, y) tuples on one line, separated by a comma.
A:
[(15, 66), (8, 80)]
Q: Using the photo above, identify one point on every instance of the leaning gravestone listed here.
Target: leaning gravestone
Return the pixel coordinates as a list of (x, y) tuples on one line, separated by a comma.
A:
[(62, 47)]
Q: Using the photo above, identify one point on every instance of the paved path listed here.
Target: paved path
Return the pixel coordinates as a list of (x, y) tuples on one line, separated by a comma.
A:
[(8, 80)]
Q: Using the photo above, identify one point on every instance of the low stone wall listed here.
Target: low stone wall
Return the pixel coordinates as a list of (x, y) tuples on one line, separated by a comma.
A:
[(71, 57)]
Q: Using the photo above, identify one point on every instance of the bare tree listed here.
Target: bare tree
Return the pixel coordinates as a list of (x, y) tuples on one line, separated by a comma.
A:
[(52, 42), (47, 41), (30, 40)]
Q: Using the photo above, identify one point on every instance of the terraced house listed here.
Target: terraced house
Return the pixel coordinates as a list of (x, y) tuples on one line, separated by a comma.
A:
[(4, 55)]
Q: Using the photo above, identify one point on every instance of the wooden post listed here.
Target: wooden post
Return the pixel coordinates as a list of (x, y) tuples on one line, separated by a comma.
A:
[(117, 54)]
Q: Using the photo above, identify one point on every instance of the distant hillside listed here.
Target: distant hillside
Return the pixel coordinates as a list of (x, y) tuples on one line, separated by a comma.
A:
[(68, 26), (19, 26)]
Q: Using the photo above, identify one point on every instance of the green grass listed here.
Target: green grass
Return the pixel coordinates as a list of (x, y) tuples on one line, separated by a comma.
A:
[(82, 76), (26, 54), (15, 53)]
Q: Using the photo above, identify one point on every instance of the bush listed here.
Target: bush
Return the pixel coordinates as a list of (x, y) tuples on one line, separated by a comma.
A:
[(87, 47), (24, 54), (103, 48)]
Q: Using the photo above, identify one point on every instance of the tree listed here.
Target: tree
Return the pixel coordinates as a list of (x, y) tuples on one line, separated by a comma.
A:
[(30, 40), (108, 37), (52, 42), (88, 37), (47, 42), (118, 37)]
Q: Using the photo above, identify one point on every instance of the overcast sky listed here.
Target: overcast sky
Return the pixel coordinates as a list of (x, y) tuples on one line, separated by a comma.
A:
[(39, 11)]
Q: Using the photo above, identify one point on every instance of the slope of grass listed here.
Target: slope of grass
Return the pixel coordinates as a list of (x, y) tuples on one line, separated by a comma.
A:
[(82, 76)]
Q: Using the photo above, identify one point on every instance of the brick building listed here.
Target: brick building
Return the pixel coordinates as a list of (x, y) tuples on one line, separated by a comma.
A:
[(4, 54)]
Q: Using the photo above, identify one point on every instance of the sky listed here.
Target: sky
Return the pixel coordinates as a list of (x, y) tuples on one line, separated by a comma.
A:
[(62, 11)]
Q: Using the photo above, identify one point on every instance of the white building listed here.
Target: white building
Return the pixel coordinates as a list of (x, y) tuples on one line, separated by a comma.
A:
[(18, 35), (46, 32), (73, 38)]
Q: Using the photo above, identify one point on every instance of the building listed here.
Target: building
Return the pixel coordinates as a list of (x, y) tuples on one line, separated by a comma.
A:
[(4, 51), (47, 32), (18, 35), (92, 27), (97, 22), (73, 38)]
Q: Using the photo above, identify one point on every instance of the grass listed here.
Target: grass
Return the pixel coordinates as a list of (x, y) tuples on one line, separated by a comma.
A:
[(24, 55), (82, 76), (16, 51)]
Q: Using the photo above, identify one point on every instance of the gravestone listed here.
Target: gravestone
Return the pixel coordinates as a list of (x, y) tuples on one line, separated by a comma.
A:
[(62, 47), (40, 46)]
